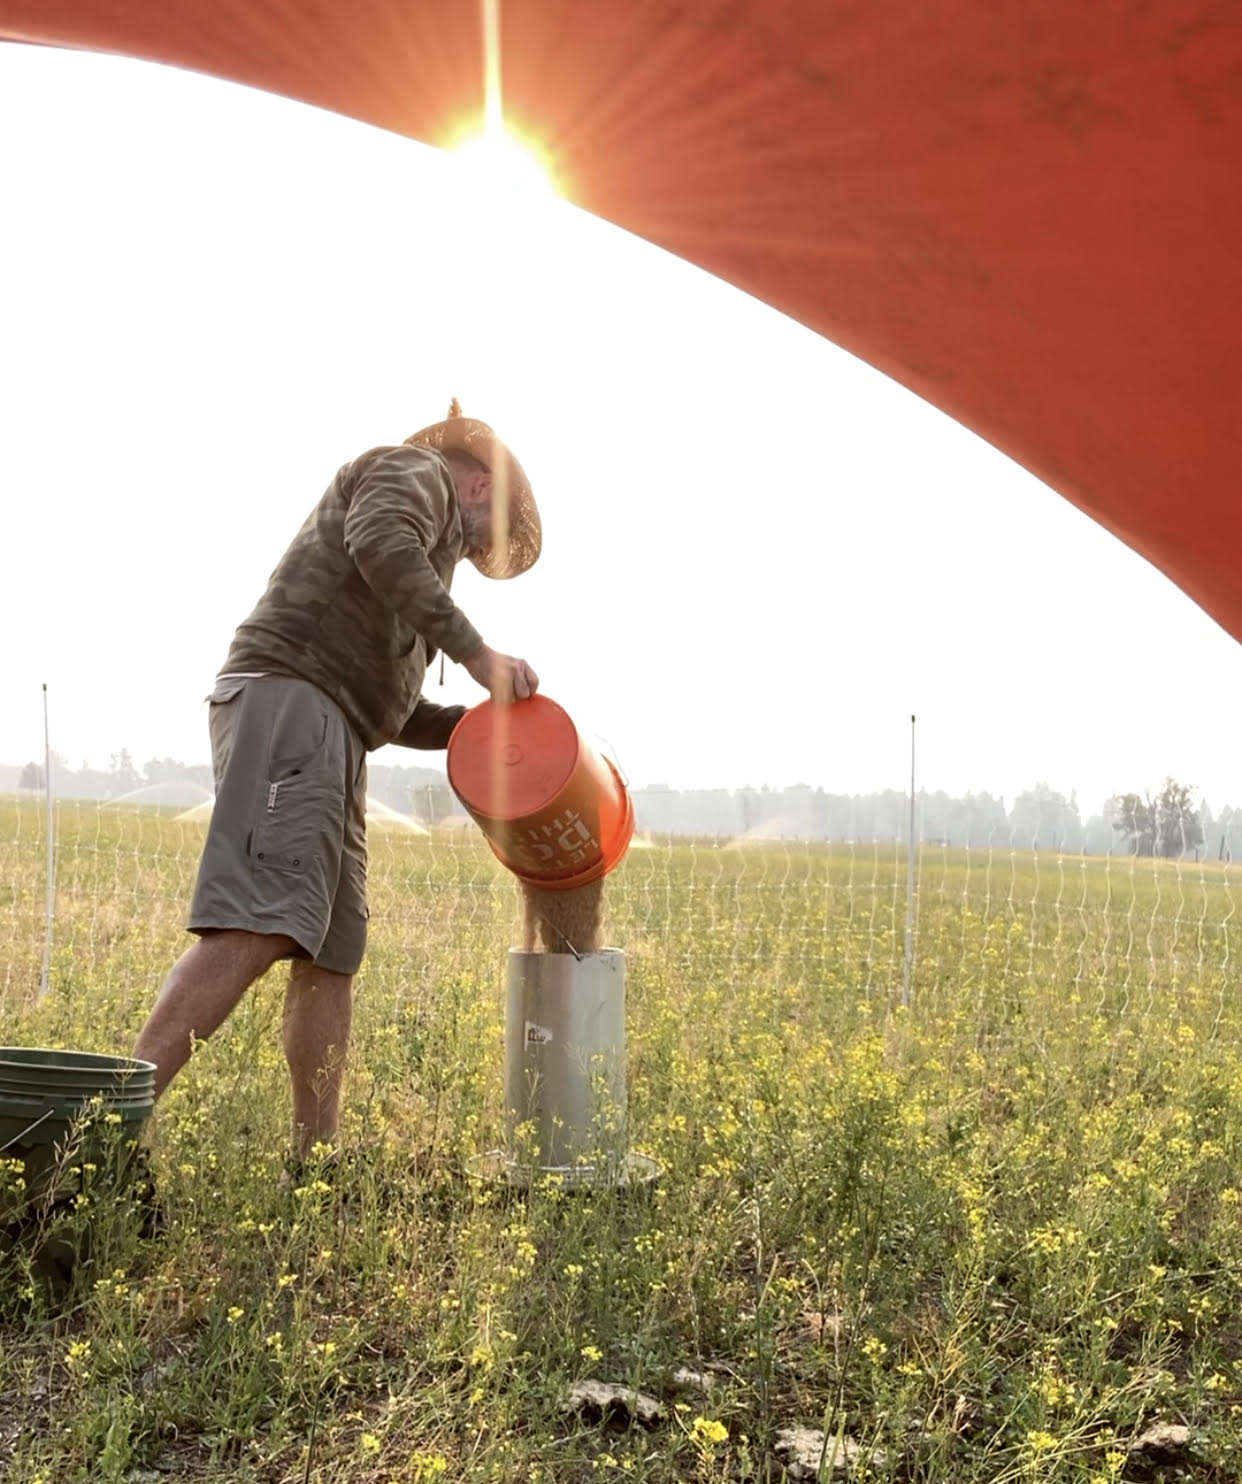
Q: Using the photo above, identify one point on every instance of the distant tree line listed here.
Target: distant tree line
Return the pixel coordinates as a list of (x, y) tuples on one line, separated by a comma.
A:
[(423, 792), (120, 777), (1169, 825), (1172, 823)]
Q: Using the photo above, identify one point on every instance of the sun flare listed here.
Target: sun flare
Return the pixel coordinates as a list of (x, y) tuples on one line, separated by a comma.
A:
[(503, 165)]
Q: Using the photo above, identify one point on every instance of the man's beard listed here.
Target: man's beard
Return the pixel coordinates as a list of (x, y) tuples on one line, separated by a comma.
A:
[(476, 531)]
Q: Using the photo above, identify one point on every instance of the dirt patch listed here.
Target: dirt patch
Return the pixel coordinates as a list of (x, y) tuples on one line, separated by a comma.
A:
[(563, 921)]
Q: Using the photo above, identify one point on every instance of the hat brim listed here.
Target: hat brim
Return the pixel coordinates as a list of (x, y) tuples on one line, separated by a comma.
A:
[(517, 531)]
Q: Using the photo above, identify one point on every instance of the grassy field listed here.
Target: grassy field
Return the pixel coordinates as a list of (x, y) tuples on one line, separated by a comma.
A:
[(991, 1236)]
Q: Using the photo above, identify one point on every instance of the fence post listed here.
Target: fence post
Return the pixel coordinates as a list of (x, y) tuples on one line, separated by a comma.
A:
[(909, 963), (51, 852)]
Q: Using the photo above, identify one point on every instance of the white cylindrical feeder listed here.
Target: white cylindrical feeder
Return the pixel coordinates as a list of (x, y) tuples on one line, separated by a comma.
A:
[(565, 1088), (565, 1058)]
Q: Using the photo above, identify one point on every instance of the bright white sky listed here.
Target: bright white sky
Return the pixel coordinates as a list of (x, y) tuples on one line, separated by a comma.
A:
[(760, 555)]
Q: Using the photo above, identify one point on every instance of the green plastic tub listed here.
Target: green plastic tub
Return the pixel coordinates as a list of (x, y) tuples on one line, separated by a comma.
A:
[(43, 1093), (45, 1098)]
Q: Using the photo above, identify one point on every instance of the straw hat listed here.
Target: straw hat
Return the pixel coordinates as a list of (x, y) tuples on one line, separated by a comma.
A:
[(517, 535)]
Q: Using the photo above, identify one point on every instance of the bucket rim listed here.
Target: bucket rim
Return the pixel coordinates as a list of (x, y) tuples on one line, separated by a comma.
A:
[(78, 1061), (453, 752)]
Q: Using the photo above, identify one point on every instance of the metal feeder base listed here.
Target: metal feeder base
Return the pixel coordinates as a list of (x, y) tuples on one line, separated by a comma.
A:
[(635, 1172)]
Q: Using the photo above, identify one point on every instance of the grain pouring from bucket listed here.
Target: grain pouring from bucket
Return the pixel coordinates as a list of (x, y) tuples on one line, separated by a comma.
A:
[(562, 921)]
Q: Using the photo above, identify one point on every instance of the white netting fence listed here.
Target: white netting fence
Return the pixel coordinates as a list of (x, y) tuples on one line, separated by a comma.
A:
[(991, 921)]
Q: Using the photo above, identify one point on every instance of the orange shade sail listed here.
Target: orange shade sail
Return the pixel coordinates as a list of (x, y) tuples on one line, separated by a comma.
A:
[(1029, 214)]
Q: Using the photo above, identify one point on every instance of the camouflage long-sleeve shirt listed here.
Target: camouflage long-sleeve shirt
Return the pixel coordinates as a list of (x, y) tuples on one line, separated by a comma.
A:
[(360, 602)]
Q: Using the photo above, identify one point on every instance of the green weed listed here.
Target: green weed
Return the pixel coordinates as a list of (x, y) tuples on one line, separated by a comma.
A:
[(990, 1236)]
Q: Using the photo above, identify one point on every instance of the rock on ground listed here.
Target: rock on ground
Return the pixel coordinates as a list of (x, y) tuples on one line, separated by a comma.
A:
[(801, 1450), (605, 1399), (1163, 1442)]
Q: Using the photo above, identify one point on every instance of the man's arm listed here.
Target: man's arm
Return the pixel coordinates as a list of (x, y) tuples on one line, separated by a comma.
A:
[(400, 509), (429, 726)]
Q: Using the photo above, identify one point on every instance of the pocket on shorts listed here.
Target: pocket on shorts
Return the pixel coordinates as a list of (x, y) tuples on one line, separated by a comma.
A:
[(294, 821), (228, 690), (299, 732)]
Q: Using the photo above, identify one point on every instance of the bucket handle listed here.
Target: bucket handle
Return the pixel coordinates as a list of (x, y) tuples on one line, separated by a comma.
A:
[(29, 1129), (614, 759)]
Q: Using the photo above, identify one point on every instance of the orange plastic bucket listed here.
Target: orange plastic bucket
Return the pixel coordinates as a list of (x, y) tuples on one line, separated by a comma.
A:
[(554, 811)]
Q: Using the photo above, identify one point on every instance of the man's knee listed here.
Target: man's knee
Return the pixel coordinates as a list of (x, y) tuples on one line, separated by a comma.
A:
[(303, 974)]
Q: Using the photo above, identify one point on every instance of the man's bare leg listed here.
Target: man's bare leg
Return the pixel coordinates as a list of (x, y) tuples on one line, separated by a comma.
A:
[(200, 993), (318, 1014)]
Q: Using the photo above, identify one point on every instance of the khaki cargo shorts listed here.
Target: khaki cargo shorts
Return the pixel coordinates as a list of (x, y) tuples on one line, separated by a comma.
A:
[(286, 850)]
